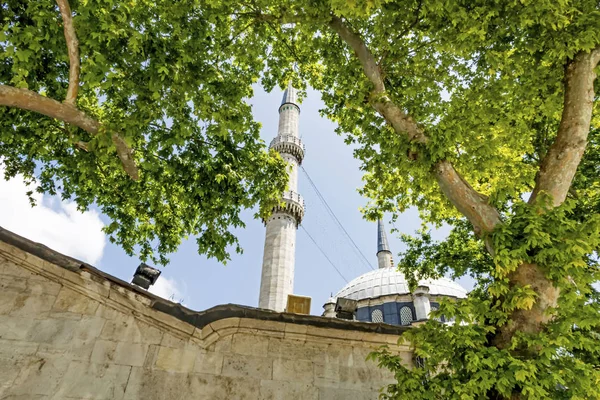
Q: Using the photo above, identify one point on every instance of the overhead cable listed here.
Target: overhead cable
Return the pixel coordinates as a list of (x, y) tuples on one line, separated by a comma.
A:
[(335, 218), (323, 252)]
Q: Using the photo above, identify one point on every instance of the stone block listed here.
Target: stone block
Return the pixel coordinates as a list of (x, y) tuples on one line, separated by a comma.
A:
[(225, 332), (154, 384), (164, 385), (10, 348), (214, 387), (236, 365), (356, 378), (129, 299), (293, 370), (104, 352), (261, 325), (295, 328), (225, 323), (10, 268), (15, 284), (176, 360), (94, 381), (208, 362), (131, 329), (41, 285), (339, 354), (265, 333), (8, 298), (295, 331), (14, 355), (26, 304), (110, 313), (329, 393), (41, 376), (222, 344), (327, 375), (82, 280), (297, 350), (71, 301), (249, 344), (203, 333), (132, 354), (169, 340), (390, 339), (360, 355), (52, 331), (334, 334), (275, 390), (89, 327), (75, 350)]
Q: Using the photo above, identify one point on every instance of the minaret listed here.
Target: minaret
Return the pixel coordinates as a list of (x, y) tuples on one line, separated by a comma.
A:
[(277, 278), (384, 255)]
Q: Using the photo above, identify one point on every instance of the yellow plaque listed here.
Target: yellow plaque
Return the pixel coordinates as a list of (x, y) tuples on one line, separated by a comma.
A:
[(298, 304)]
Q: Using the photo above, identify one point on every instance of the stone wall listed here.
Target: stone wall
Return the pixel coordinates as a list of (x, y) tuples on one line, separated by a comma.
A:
[(67, 331)]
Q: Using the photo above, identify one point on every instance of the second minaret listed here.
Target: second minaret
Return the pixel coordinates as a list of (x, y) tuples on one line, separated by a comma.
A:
[(277, 278)]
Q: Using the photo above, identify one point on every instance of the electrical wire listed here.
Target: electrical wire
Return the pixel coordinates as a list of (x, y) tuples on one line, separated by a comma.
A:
[(323, 252), (335, 218)]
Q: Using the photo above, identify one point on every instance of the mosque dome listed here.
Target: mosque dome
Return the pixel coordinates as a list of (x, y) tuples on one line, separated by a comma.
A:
[(384, 295), (389, 281)]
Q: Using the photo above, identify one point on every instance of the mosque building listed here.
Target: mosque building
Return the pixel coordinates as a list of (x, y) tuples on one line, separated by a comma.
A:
[(71, 331), (382, 295)]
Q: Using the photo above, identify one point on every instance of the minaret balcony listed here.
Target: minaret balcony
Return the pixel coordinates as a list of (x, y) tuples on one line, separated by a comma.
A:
[(293, 204), (289, 144)]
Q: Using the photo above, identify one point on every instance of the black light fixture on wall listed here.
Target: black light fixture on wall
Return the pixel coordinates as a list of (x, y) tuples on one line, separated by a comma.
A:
[(346, 308), (145, 276)]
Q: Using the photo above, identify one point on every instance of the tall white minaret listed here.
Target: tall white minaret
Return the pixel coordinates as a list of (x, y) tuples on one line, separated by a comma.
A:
[(277, 278), (384, 254)]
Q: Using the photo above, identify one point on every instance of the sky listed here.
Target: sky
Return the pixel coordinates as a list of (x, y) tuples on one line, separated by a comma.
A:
[(200, 283)]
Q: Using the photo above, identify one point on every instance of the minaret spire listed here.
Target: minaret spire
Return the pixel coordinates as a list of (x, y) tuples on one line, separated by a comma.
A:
[(384, 254), (277, 278)]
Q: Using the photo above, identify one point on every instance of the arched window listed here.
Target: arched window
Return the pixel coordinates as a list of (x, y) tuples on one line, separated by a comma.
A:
[(376, 316), (435, 308), (406, 316)]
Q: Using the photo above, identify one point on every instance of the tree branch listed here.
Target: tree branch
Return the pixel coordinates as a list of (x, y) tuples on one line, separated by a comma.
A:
[(555, 176), (370, 68), (467, 200), (73, 49), (560, 164), (29, 100)]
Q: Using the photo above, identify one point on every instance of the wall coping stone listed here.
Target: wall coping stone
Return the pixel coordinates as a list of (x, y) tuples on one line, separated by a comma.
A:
[(198, 319)]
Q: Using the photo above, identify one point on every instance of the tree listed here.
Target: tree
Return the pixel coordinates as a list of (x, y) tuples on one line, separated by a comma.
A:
[(138, 108), (463, 109)]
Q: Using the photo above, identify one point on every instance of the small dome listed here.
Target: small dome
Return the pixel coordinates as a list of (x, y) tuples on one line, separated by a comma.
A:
[(389, 281)]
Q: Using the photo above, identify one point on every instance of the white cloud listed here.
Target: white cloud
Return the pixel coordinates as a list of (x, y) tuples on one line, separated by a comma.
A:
[(54, 223), (167, 288)]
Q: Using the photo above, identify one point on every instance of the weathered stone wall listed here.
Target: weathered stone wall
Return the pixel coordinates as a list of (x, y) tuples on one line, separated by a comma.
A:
[(79, 335)]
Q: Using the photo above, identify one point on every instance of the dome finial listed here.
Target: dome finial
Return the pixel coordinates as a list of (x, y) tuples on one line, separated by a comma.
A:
[(384, 254), (382, 242)]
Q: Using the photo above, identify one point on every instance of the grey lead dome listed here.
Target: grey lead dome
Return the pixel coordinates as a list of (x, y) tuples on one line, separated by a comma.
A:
[(389, 281)]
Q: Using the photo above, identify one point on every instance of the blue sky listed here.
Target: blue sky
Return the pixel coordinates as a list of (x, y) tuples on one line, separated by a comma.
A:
[(202, 283)]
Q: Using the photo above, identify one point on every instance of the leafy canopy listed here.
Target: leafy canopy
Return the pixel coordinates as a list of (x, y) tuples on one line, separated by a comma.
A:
[(459, 108), (490, 89), (174, 81)]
